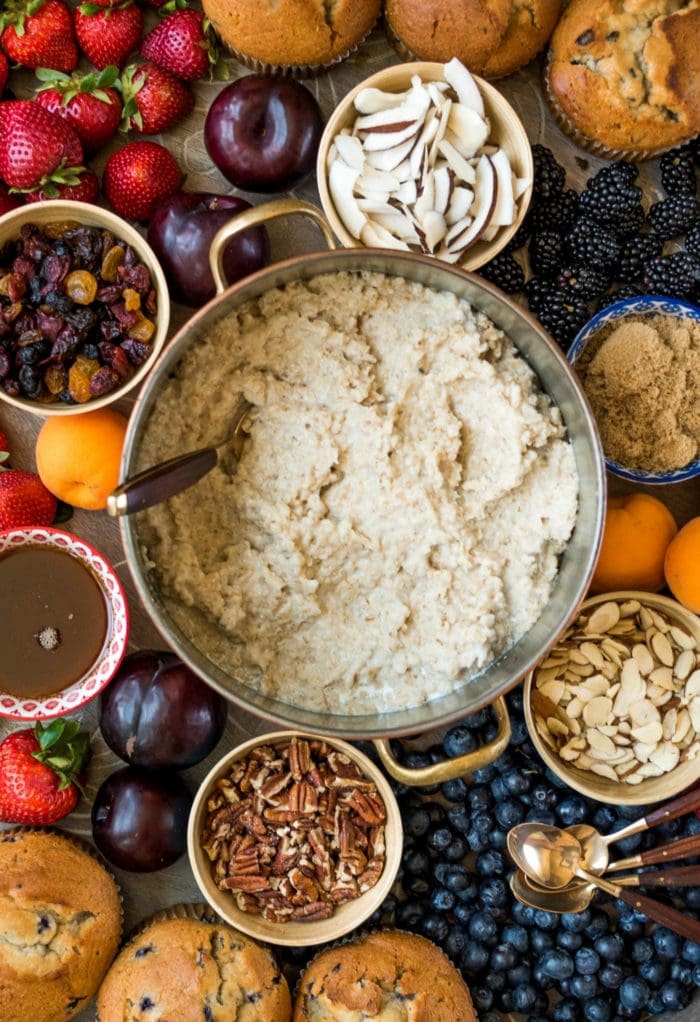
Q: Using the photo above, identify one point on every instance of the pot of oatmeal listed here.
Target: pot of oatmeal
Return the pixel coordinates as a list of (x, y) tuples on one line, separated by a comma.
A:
[(417, 510)]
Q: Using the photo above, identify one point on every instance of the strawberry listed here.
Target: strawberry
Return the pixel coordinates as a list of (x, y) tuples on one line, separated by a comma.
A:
[(7, 201), (24, 500), (4, 71), (154, 100), (107, 35), (35, 146), (182, 44), (138, 177), (87, 102), (82, 186), (39, 33), (40, 770)]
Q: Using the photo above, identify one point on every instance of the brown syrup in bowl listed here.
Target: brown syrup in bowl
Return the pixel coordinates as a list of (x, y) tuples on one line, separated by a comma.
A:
[(53, 621)]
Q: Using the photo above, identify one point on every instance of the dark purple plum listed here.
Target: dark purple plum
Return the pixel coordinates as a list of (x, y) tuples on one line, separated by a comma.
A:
[(262, 132), (181, 231), (139, 819), (159, 714)]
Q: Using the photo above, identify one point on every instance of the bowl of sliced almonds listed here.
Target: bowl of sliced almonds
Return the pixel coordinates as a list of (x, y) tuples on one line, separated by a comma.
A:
[(614, 708), (426, 157)]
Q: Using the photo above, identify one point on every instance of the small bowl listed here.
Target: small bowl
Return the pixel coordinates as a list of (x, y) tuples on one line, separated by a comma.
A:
[(88, 215), (295, 934), (103, 670), (654, 789), (507, 131), (643, 306)]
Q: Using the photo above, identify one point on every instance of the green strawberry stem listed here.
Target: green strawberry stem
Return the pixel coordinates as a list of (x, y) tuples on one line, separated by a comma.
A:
[(71, 85), (49, 183), (131, 115), (16, 11), (64, 748)]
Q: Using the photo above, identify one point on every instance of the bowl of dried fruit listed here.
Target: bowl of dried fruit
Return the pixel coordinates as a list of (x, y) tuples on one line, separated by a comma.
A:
[(295, 839), (614, 708), (84, 307), (426, 157)]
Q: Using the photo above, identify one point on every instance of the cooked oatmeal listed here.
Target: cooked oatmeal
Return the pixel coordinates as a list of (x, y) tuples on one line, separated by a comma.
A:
[(396, 519)]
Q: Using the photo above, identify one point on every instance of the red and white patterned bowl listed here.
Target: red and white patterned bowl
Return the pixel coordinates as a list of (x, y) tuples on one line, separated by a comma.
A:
[(102, 672)]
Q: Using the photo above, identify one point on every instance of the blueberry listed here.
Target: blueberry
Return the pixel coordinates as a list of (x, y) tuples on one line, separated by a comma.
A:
[(524, 997), (633, 993), (485, 774), (498, 788), (456, 850), (519, 974), (459, 741), (541, 940), (475, 957), (692, 826), (691, 952), (505, 1000), (692, 897), (435, 927), (630, 926), (482, 822), (674, 996), (482, 926), (470, 892), (516, 936), (476, 841), (496, 981), (572, 810), (442, 900), (455, 942), (494, 893), (543, 796), (642, 950), (667, 943), (482, 998), (611, 976), (656, 1005), (416, 822), (454, 790), (498, 839), (523, 914), (557, 963), (543, 981), (409, 914), (479, 797), (598, 1009), (587, 961), (683, 972), (459, 819), (546, 920), (490, 864), (696, 975), (463, 913), (536, 815), (418, 761), (439, 838), (568, 940), (416, 861), (610, 947), (654, 972), (509, 813), (629, 845), (576, 921), (604, 818), (566, 1010), (454, 878), (517, 781), (415, 887), (599, 924)]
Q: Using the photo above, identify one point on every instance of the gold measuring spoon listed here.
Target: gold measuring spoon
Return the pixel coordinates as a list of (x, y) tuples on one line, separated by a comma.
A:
[(577, 897)]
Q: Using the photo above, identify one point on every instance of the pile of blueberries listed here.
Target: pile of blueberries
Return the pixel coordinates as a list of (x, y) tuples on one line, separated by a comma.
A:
[(607, 964)]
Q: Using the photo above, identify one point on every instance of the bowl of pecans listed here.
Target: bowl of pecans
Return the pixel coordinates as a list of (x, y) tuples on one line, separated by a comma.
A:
[(84, 307), (614, 708), (295, 839)]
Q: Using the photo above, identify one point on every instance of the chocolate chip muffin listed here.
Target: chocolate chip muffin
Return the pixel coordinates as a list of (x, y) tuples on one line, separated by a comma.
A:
[(60, 917), (300, 36), (623, 78), (386, 976), (492, 38), (194, 971)]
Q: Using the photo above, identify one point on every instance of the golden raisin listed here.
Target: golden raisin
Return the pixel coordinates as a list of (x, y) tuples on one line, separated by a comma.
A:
[(81, 286), (59, 227), (132, 299), (111, 263), (89, 366), (55, 379), (78, 384), (142, 330)]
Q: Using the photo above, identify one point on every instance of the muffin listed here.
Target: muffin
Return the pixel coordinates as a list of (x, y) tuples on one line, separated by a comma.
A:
[(624, 82), (60, 916), (193, 970), (292, 36), (492, 38), (384, 976)]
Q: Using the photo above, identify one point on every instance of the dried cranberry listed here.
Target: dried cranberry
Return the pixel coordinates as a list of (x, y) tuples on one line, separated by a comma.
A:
[(111, 331), (48, 324), (36, 248), (116, 359), (91, 351), (24, 322), (136, 351), (55, 268), (109, 293), (30, 381), (122, 316), (136, 277), (11, 387), (23, 266), (130, 256), (103, 381), (86, 245), (4, 364), (151, 302), (82, 320), (64, 346)]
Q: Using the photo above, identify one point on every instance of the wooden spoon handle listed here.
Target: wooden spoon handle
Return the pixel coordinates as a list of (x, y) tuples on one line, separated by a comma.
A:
[(664, 914), (161, 481), (674, 850), (681, 876), (672, 810)]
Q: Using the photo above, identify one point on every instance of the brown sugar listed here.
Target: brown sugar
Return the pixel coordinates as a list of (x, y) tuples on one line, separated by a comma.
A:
[(642, 378)]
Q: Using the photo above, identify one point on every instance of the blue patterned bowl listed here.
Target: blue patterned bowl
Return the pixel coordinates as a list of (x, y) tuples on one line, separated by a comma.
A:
[(644, 305)]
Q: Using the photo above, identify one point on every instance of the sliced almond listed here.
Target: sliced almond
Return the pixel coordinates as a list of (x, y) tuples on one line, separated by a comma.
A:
[(666, 756), (643, 750), (574, 708), (592, 654), (659, 621), (557, 727), (663, 650), (554, 690), (681, 725), (603, 618), (684, 664), (694, 710), (663, 677), (682, 638), (604, 770), (629, 608), (642, 712), (692, 686), (648, 734), (644, 658), (600, 743), (645, 618), (597, 711)]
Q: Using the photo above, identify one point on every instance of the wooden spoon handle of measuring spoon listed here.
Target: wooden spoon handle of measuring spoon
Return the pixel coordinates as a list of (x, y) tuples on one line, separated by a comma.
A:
[(681, 876), (683, 848), (664, 914), (672, 810)]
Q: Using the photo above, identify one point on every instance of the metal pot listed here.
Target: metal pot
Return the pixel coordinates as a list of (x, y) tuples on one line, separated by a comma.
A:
[(578, 561)]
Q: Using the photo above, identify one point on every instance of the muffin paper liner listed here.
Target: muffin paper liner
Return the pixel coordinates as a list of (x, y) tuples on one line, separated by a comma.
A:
[(398, 44), (292, 70), (590, 144)]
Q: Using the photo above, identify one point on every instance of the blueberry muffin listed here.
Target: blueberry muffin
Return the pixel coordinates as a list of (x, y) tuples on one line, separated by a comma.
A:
[(60, 917), (623, 79), (300, 36), (193, 970), (492, 38), (386, 976)]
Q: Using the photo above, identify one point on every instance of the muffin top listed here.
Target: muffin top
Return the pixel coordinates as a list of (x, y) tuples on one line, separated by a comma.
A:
[(442, 29), (193, 970), (530, 26), (289, 33), (386, 976), (60, 911), (627, 74)]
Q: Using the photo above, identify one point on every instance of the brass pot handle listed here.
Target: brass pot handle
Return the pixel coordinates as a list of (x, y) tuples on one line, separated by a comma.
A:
[(450, 768), (253, 218)]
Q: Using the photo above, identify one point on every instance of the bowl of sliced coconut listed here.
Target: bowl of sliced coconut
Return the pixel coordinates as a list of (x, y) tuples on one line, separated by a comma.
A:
[(428, 158)]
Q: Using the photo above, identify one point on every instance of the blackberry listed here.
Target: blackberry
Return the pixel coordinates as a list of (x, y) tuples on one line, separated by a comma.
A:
[(610, 200), (673, 216), (549, 175), (583, 281), (692, 240), (591, 244), (678, 172), (504, 272), (677, 275), (637, 251), (546, 253), (521, 236), (633, 222), (537, 290), (557, 213), (562, 314)]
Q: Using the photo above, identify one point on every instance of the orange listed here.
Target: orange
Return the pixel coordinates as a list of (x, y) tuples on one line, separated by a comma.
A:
[(682, 565), (78, 456), (638, 529)]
